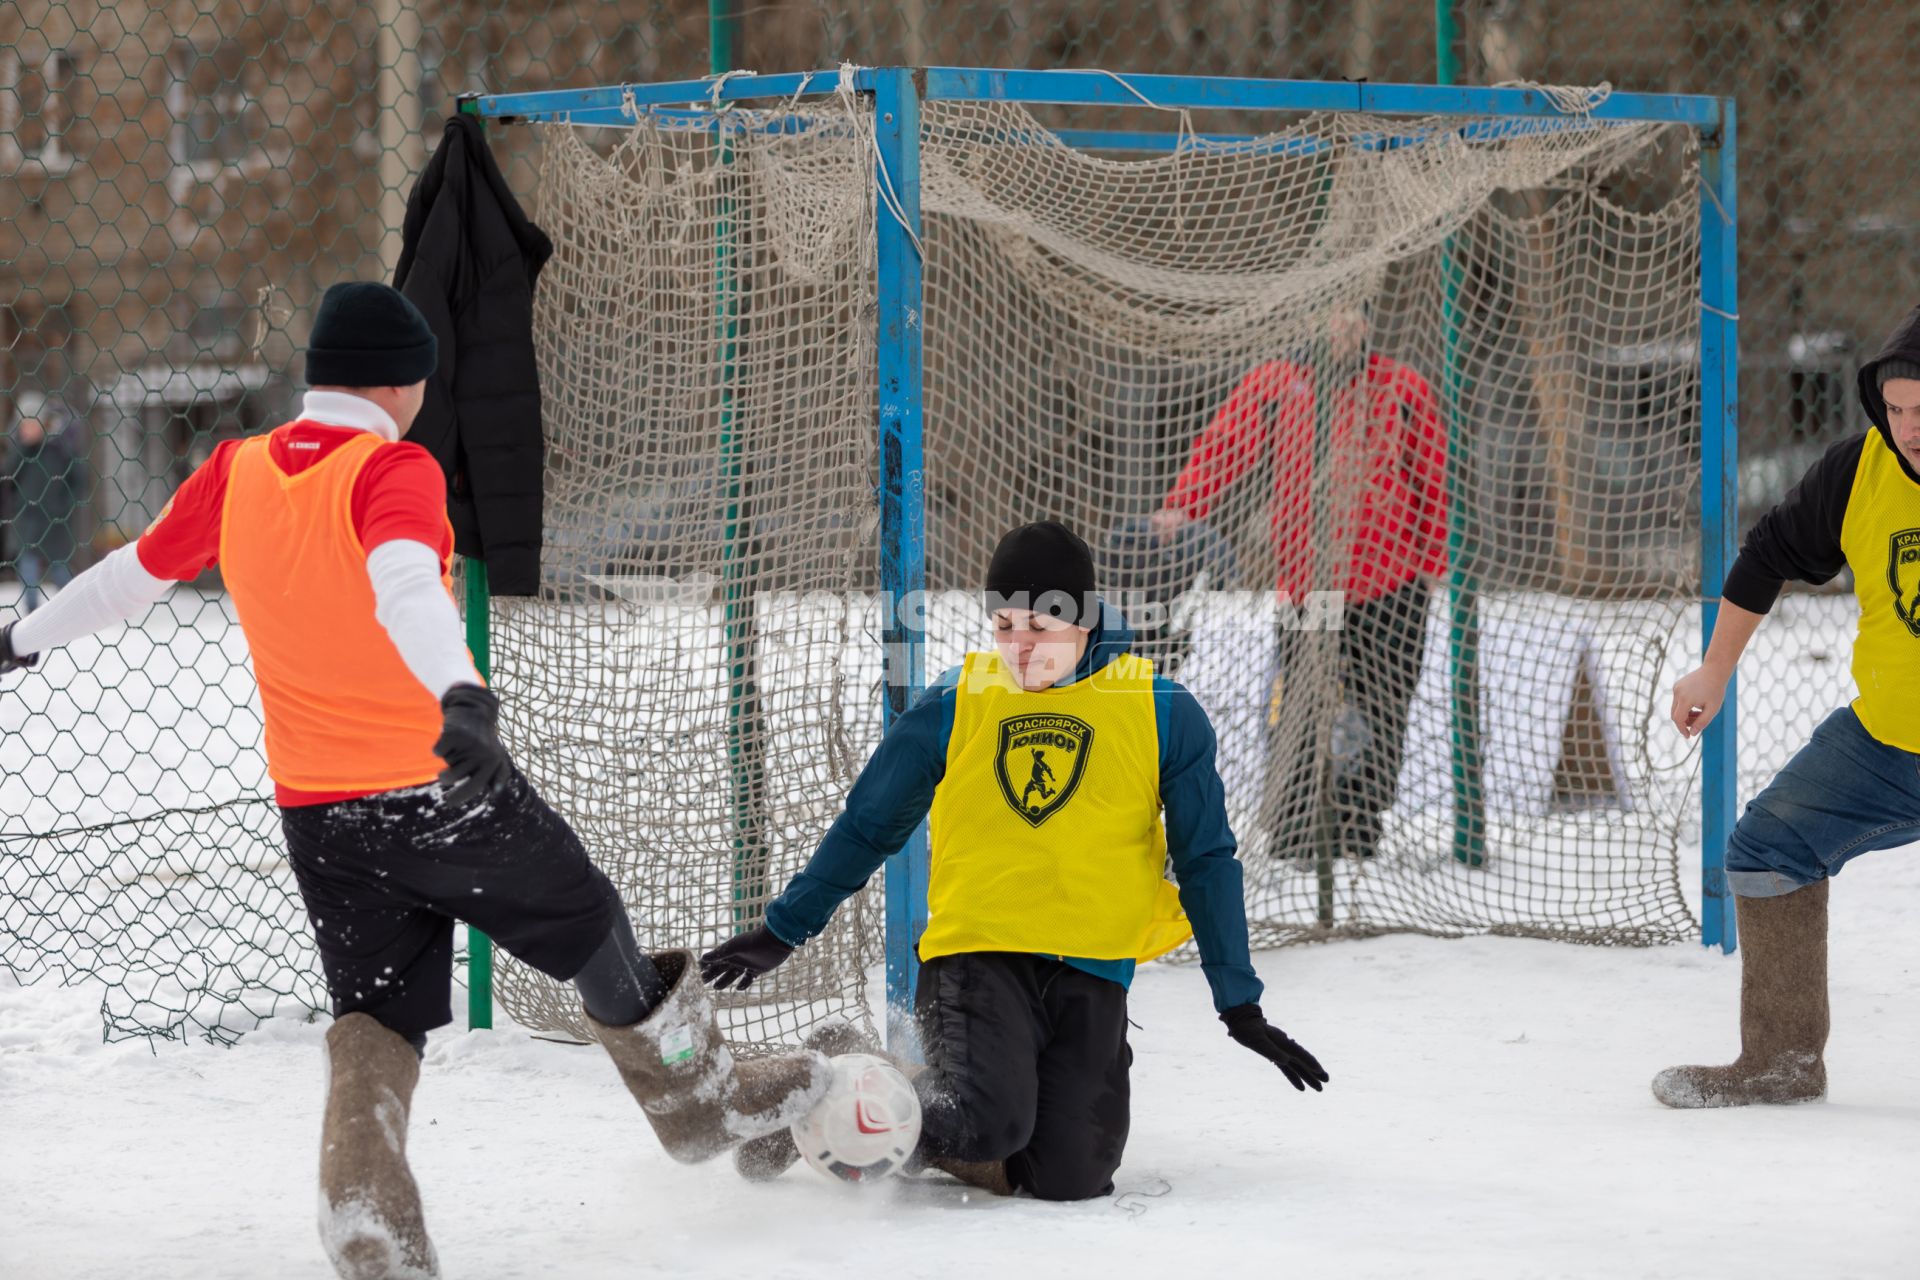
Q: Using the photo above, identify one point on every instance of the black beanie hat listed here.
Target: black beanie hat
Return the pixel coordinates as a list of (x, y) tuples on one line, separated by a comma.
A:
[(1045, 567), (368, 334)]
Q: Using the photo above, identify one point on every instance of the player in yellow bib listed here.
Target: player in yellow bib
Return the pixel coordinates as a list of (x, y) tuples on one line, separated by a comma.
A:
[(1059, 777), (1855, 786)]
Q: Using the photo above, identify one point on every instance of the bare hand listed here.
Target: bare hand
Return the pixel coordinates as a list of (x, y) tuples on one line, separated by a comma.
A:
[(1166, 522), (1696, 700)]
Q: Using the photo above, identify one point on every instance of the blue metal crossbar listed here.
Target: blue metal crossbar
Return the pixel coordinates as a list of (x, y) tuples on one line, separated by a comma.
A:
[(1224, 93), (616, 104)]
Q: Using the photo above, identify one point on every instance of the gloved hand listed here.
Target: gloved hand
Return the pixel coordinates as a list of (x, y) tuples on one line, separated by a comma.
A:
[(1248, 1026), (742, 958), (478, 766), (9, 660)]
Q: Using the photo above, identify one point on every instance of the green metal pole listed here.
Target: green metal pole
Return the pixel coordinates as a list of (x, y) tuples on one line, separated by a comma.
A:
[(479, 945), (479, 612), (1463, 612), (1446, 34), (746, 758), (723, 36)]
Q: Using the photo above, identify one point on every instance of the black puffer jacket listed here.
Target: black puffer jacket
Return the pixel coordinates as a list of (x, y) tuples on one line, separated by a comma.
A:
[(469, 261)]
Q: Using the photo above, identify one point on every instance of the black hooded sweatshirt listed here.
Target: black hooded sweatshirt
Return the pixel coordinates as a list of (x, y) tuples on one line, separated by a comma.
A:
[(469, 259), (1800, 538)]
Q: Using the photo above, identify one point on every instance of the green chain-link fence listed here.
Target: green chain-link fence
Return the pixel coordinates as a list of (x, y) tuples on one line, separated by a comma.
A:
[(179, 182)]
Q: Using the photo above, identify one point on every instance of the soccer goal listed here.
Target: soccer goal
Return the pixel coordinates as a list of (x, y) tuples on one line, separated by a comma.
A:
[(809, 343)]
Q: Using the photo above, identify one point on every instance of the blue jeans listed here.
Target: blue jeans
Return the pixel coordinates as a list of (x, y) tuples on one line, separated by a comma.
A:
[(1842, 794), (34, 568)]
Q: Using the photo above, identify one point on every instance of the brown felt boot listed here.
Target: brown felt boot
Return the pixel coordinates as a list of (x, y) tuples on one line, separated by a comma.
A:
[(698, 1099), (985, 1175), (1783, 1010), (370, 1219), (764, 1159)]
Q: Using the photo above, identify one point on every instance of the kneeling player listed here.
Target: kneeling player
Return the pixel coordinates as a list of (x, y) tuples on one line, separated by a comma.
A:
[(1045, 769), (333, 539)]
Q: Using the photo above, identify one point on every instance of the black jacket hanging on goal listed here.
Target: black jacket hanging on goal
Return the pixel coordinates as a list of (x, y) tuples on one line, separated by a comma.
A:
[(469, 260)]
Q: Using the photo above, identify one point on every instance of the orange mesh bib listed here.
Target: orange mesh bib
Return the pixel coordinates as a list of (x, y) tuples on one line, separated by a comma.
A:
[(343, 712)]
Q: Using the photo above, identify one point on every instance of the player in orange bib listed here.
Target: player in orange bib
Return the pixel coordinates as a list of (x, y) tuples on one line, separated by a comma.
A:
[(1059, 776), (402, 810)]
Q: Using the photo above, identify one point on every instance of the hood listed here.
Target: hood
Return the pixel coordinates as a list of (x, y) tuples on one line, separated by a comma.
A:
[(1110, 638), (1904, 345)]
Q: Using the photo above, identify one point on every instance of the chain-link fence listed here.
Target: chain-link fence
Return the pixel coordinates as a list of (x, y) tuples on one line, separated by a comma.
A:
[(180, 181)]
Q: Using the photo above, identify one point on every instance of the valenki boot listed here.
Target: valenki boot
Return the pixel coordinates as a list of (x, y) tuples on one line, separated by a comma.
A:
[(371, 1223), (698, 1099), (989, 1176), (1783, 1010)]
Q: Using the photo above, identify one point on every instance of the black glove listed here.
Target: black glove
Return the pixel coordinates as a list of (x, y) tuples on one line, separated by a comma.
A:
[(742, 958), (1247, 1025), (9, 660), (477, 764)]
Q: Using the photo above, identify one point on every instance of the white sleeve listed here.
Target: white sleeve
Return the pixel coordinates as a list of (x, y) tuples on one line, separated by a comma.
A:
[(114, 590), (412, 603)]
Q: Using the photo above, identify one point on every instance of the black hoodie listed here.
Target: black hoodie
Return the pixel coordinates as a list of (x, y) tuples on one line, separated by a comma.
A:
[(468, 259), (1800, 538)]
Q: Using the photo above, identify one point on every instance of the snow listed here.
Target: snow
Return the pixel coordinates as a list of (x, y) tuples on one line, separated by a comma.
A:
[(1489, 1116)]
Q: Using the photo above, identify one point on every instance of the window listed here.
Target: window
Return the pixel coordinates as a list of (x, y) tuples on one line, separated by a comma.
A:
[(35, 108), (216, 121)]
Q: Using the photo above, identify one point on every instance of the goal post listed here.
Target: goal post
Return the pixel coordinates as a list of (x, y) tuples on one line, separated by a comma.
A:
[(926, 302)]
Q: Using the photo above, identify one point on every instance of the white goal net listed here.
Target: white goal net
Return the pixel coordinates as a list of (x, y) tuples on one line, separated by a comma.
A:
[(1434, 379)]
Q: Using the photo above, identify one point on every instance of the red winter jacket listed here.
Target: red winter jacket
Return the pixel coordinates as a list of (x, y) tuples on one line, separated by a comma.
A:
[(1382, 490)]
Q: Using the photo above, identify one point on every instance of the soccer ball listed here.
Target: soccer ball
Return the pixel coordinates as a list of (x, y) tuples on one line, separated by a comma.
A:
[(866, 1126)]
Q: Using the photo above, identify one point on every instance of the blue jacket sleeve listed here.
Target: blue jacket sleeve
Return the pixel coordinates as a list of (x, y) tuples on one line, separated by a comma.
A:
[(1202, 847), (887, 802)]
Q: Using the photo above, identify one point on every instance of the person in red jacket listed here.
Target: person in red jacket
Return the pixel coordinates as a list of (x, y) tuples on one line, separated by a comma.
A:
[(402, 810), (1356, 462)]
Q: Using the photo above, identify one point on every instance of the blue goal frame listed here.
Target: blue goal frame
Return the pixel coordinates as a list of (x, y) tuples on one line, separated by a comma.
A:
[(898, 92)]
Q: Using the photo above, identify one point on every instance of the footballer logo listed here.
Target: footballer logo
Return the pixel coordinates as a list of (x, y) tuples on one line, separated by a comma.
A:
[(1040, 761), (1903, 575)]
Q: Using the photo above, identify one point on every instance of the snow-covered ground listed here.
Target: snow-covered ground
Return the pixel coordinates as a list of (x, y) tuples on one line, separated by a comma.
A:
[(1488, 1117)]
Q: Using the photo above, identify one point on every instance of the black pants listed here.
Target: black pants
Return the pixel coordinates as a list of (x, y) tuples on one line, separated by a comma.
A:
[(1027, 1063), (1380, 650), (385, 877)]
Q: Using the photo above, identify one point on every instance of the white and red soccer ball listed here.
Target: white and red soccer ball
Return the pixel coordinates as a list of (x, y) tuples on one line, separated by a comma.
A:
[(866, 1126)]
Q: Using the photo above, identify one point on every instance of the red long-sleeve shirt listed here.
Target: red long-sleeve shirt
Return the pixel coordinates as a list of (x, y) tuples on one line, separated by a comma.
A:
[(1381, 491), (400, 494)]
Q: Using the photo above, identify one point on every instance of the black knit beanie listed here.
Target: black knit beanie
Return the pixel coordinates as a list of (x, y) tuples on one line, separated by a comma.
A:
[(1895, 367), (368, 334), (1045, 567)]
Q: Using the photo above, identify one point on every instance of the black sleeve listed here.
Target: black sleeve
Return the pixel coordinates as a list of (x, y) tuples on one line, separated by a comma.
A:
[(1798, 539)]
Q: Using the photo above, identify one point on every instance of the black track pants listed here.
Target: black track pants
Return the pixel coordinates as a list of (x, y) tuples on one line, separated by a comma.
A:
[(1027, 1063)]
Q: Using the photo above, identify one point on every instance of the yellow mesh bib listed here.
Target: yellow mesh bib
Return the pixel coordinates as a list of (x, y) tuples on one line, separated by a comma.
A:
[(1881, 536), (1046, 832)]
